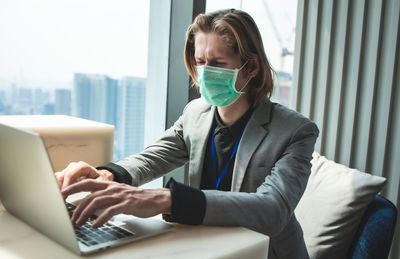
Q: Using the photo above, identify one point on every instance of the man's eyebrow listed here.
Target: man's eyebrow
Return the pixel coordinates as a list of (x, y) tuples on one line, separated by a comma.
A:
[(213, 58), (219, 58)]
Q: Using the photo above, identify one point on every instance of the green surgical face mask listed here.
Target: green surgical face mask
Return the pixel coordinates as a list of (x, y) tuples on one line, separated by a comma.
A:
[(217, 85)]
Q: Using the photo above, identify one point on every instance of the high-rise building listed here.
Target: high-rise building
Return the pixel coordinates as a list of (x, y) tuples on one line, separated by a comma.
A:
[(94, 97), (2, 96), (120, 103), (40, 99), (111, 101), (24, 101), (2, 101), (62, 103), (48, 109), (81, 96), (13, 94), (131, 112)]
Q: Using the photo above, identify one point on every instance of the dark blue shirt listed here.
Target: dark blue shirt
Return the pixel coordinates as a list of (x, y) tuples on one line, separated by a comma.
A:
[(225, 138)]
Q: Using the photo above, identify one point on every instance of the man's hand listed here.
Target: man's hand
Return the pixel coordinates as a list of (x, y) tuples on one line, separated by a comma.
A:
[(115, 198), (77, 171)]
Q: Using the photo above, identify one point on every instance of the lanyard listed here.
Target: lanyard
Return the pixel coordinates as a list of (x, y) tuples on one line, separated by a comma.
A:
[(219, 179)]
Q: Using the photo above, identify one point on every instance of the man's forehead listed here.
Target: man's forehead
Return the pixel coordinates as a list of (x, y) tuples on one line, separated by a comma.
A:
[(211, 45)]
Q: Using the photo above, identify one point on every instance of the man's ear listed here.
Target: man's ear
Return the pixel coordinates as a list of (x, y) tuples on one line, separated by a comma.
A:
[(253, 67)]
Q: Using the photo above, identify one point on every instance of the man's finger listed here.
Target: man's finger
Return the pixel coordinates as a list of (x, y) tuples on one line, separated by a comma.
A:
[(88, 185), (108, 214), (59, 178), (76, 171), (81, 206), (60, 175), (69, 179), (94, 205), (85, 202)]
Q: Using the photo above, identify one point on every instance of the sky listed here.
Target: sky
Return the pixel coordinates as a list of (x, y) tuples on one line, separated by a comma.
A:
[(48, 40), (44, 42)]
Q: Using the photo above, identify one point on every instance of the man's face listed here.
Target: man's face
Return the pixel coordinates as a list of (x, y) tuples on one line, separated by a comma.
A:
[(212, 50)]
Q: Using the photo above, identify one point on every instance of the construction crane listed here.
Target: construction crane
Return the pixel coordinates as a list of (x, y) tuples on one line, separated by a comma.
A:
[(283, 43)]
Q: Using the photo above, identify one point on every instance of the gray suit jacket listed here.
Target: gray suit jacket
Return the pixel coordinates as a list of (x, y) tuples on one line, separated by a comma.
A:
[(270, 173)]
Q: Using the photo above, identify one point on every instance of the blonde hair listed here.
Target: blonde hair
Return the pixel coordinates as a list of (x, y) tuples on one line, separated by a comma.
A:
[(240, 32)]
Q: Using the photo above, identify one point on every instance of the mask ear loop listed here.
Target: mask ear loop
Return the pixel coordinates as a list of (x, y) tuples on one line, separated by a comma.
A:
[(248, 80), (245, 84), (245, 63)]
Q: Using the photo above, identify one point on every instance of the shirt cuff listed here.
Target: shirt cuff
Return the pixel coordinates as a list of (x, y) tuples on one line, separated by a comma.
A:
[(188, 205), (120, 173)]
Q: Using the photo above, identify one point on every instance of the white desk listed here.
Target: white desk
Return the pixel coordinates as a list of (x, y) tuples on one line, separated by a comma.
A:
[(18, 240)]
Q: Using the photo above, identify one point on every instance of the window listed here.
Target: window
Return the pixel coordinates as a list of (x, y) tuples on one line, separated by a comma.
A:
[(82, 58)]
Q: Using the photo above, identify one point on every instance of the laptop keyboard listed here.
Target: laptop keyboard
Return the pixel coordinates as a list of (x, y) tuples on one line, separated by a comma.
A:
[(93, 236)]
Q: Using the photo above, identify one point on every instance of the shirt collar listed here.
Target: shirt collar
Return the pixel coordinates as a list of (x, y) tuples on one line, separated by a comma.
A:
[(234, 129)]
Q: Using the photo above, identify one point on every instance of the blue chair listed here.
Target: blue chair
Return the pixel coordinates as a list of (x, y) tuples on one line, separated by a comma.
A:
[(375, 232)]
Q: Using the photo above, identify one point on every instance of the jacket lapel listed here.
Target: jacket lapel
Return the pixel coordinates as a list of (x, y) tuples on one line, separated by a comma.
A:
[(199, 146), (254, 133)]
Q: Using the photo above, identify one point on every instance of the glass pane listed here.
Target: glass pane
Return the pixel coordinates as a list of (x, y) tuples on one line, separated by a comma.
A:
[(83, 58), (276, 21)]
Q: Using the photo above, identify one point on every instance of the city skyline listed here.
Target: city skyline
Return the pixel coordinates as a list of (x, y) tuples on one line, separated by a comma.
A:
[(119, 102)]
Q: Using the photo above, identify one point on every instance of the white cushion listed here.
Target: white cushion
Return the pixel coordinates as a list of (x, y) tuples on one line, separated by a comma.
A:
[(332, 206)]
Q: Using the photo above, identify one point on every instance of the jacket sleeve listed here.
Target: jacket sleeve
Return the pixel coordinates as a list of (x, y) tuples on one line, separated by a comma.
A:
[(270, 208), (168, 153)]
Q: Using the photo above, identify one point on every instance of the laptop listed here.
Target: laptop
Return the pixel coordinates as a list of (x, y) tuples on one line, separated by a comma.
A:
[(29, 191)]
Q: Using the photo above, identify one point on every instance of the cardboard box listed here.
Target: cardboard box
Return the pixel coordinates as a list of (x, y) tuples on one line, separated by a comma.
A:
[(69, 139)]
